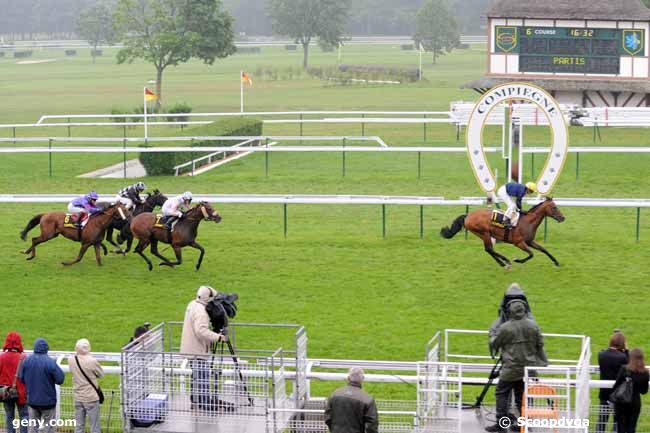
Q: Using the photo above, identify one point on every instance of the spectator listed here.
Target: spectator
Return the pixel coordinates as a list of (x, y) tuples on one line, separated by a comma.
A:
[(10, 360), (627, 415), (350, 409), (610, 362), (521, 344), (40, 374), (195, 341), (85, 371)]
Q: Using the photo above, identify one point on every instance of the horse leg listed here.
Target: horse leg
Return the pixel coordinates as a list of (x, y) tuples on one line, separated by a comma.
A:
[(502, 261), (154, 251), (104, 249), (142, 245), (179, 257), (82, 251), (538, 247), (524, 247), (35, 241), (98, 255), (129, 242), (200, 248)]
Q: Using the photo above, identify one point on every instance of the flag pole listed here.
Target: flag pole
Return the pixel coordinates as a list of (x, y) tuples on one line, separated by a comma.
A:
[(144, 97), (241, 91)]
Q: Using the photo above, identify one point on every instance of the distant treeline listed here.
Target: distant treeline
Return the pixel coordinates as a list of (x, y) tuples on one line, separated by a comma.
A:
[(56, 19)]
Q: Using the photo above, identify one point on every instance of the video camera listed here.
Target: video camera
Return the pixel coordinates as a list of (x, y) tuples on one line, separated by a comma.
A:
[(220, 309)]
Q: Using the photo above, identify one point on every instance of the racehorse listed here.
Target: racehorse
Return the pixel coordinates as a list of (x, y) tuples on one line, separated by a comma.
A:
[(184, 233), (52, 225), (522, 236), (150, 203)]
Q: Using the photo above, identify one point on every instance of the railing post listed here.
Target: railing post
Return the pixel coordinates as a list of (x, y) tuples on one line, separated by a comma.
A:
[(545, 229), (192, 155), (343, 160), (466, 213), (577, 165), (419, 165), (532, 165), (50, 155), (69, 135), (266, 158), (638, 223), (124, 130), (301, 128), (424, 127), (14, 128), (124, 156), (363, 125), (383, 221), (421, 222), (285, 220)]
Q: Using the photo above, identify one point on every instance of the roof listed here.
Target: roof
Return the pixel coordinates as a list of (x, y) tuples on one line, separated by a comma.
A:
[(564, 84), (610, 10)]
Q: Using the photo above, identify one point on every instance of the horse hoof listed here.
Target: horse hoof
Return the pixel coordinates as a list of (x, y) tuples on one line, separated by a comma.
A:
[(29, 258), (150, 268), (507, 266), (557, 264)]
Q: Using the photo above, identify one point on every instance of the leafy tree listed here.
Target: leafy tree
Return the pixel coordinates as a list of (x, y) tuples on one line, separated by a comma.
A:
[(96, 26), (170, 32), (646, 3), (436, 28), (304, 20)]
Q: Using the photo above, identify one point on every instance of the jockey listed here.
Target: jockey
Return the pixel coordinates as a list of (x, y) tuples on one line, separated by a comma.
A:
[(84, 205), (517, 191), (171, 209), (130, 195)]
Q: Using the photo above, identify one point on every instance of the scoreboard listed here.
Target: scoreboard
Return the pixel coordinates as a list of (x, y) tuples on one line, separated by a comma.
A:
[(569, 50)]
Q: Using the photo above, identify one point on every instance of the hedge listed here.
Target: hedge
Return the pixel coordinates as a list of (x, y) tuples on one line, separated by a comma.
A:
[(163, 163)]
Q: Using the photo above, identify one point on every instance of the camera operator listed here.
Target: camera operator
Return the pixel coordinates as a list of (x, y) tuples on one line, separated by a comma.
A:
[(513, 292), (521, 345), (196, 340)]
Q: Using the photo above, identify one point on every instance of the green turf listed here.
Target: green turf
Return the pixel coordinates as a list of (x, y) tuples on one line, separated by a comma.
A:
[(360, 296)]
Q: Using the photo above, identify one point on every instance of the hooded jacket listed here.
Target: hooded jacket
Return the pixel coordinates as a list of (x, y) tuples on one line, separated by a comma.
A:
[(9, 360), (197, 336), (82, 390), (40, 374), (513, 293), (520, 342)]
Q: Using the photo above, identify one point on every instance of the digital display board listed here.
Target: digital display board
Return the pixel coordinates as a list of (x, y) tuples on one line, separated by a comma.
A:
[(570, 50)]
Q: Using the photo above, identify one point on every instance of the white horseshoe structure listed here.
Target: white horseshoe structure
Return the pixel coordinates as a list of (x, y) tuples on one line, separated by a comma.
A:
[(517, 92)]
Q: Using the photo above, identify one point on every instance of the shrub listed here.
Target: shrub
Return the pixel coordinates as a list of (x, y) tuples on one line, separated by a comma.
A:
[(160, 163), (407, 47), (22, 54), (118, 119), (327, 48), (2, 53), (180, 107), (291, 47), (463, 46), (151, 109), (345, 74), (70, 52), (96, 53)]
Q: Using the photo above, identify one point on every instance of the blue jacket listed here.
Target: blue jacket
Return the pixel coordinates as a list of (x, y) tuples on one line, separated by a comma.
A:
[(516, 190), (40, 373), (85, 203)]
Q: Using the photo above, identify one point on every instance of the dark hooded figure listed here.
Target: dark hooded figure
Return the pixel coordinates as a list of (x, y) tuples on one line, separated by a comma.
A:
[(513, 293), (521, 345)]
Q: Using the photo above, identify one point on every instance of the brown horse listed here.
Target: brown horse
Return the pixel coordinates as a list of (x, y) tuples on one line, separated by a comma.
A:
[(522, 236), (184, 234), (92, 234)]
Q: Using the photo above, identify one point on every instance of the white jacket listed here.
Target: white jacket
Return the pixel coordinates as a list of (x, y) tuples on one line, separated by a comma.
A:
[(197, 336), (173, 206)]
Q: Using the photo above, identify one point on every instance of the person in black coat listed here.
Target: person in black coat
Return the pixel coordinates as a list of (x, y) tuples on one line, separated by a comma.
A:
[(610, 362), (627, 415)]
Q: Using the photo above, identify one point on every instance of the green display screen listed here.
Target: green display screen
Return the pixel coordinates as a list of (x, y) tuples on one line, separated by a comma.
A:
[(569, 50)]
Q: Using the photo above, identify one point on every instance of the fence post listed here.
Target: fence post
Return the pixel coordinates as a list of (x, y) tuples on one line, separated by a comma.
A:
[(363, 125), (301, 128), (266, 158), (14, 128), (50, 155), (285, 219), (419, 165), (577, 165), (383, 221), (69, 135), (421, 222), (532, 165), (424, 127), (638, 221), (466, 212), (124, 130), (124, 156), (343, 160), (192, 155), (545, 229)]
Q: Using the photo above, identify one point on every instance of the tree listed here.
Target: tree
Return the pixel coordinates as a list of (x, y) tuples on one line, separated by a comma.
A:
[(170, 32), (436, 28), (304, 20), (96, 26)]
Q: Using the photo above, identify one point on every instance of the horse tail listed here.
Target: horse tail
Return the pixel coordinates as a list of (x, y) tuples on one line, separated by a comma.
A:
[(30, 225), (456, 226)]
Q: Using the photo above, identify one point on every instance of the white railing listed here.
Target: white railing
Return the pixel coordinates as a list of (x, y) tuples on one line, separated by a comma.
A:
[(207, 158)]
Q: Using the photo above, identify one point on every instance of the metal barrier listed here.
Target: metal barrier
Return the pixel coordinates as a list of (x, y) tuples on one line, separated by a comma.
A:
[(440, 397)]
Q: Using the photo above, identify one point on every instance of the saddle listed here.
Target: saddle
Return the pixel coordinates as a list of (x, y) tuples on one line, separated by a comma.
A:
[(499, 219), (163, 222), (72, 221)]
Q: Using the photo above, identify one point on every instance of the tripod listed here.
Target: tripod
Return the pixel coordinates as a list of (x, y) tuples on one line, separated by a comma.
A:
[(235, 361), (494, 373)]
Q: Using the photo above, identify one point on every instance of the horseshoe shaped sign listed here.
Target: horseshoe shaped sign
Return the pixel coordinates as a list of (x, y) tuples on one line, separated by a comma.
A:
[(519, 92)]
